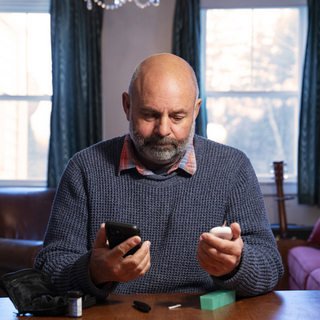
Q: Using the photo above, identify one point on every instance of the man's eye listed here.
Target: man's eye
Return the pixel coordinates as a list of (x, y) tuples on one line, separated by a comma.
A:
[(149, 116)]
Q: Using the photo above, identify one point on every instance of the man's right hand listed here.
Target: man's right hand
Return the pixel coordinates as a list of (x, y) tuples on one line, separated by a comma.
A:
[(107, 265)]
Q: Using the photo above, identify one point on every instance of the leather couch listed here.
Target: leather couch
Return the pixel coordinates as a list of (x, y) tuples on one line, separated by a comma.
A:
[(304, 263), (24, 215)]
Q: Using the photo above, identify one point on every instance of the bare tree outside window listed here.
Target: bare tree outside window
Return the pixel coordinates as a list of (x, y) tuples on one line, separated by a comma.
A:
[(252, 62)]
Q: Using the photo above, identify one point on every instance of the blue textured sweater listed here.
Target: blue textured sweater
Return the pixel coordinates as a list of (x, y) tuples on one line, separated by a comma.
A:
[(172, 211)]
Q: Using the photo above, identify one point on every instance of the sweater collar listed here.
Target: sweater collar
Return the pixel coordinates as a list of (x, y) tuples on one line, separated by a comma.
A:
[(129, 161)]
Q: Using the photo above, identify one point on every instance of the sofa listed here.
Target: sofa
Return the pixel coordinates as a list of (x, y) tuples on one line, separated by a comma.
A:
[(24, 215), (304, 263)]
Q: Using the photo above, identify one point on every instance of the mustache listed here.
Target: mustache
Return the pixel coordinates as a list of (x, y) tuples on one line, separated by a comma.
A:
[(159, 141)]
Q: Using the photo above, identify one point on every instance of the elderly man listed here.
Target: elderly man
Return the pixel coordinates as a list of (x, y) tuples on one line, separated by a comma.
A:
[(175, 186)]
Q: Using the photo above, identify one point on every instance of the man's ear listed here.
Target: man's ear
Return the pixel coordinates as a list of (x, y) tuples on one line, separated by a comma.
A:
[(197, 108), (126, 104)]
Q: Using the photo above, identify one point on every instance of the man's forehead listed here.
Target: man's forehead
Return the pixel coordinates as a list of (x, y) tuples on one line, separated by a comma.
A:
[(159, 110), (164, 85)]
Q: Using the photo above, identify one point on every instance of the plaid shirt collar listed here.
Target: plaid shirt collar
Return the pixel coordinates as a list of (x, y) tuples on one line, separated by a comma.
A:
[(128, 160)]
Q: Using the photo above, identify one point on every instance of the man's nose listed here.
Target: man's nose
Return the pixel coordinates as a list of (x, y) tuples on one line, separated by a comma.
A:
[(162, 127)]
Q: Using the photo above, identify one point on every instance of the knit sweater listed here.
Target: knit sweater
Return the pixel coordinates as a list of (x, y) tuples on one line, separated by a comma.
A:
[(172, 211)]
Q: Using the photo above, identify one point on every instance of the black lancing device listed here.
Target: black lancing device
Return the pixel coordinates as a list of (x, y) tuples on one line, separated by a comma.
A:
[(141, 306)]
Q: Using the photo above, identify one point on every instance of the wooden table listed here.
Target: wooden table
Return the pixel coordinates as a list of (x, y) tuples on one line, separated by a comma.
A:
[(282, 305)]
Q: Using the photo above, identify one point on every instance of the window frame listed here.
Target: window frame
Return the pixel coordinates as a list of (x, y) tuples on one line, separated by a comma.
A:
[(236, 4), (267, 183), (27, 6)]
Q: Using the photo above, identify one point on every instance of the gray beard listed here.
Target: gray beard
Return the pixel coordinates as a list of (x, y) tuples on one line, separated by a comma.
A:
[(152, 147)]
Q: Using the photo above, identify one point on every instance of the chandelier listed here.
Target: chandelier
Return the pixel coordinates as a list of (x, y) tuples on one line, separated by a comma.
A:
[(119, 3)]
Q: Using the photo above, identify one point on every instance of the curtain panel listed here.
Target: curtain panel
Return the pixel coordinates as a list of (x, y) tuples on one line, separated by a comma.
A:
[(186, 44), (76, 74), (309, 131)]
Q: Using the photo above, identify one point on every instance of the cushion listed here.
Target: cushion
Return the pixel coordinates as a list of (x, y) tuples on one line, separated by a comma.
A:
[(301, 262), (313, 282), (314, 237), (24, 212), (293, 285), (18, 254)]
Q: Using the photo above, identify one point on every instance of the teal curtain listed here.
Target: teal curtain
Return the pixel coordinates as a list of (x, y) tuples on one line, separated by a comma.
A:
[(186, 44), (309, 135), (76, 75)]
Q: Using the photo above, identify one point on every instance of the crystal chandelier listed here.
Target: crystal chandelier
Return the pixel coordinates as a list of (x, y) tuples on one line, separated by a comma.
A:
[(119, 3)]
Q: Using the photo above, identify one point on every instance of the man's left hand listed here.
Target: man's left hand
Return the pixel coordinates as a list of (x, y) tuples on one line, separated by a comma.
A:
[(220, 257)]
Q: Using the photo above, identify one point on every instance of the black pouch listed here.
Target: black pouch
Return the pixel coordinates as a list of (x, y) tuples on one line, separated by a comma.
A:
[(32, 292)]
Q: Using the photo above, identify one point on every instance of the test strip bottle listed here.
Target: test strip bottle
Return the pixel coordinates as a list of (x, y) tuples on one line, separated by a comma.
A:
[(75, 304)]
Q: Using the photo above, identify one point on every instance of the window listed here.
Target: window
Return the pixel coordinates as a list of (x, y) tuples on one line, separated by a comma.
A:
[(252, 62), (25, 97)]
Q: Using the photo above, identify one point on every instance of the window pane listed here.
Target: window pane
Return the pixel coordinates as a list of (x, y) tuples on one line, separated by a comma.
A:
[(39, 56), (228, 41), (24, 135), (25, 58), (263, 127), (253, 62), (252, 49), (275, 49), (25, 74)]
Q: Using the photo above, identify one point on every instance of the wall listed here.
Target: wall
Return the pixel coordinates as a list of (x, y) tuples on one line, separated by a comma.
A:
[(296, 214), (131, 34)]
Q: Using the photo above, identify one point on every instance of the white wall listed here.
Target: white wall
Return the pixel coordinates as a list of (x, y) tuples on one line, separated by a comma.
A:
[(303, 215), (130, 35)]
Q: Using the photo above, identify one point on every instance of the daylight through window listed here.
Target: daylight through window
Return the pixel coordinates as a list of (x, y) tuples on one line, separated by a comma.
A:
[(252, 66), (25, 95)]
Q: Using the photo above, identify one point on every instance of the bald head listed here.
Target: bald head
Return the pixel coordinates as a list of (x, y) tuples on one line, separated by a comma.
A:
[(161, 108), (166, 68)]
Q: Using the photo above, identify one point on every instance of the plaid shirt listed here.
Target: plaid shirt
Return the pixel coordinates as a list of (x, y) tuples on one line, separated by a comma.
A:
[(128, 160)]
